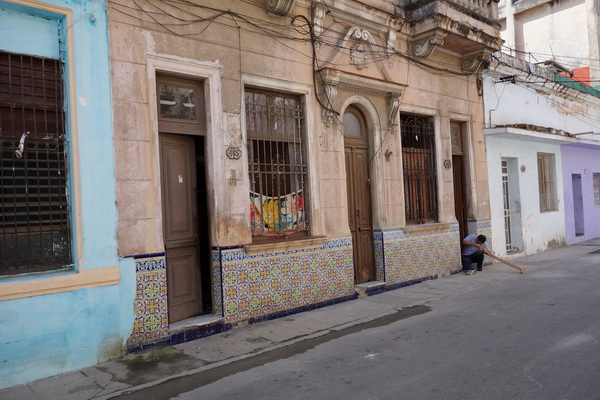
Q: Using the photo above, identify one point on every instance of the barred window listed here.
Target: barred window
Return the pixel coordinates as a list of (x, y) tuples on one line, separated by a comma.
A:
[(276, 164), (420, 175), (34, 212), (547, 182)]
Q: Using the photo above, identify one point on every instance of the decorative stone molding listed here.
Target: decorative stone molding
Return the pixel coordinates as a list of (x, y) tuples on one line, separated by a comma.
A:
[(280, 7), (332, 80), (318, 16), (233, 153), (390, 47), (393, 100), (358, 56), (471, 62), (329, 80), (423, 46)]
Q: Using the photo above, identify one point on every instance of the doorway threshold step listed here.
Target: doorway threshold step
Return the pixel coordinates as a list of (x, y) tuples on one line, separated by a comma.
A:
[(199, 320), (369, 288)]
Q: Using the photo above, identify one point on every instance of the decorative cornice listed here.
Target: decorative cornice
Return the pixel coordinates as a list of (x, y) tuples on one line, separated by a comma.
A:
[(393, 100), (280, 7), (333, 79), (423, 45), (472, 62)]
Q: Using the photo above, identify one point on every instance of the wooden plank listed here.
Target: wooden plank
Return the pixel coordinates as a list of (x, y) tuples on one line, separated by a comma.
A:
[(522, 270)]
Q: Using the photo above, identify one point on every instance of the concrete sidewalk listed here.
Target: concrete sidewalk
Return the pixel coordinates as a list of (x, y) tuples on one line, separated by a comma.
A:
[(137, 371)]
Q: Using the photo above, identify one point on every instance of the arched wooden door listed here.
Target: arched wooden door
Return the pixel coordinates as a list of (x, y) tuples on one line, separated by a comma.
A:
[(360, 220)]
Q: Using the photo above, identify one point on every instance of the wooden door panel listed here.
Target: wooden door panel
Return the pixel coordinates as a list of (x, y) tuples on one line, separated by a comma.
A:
[(350, 190), (459, 195), (359, 212), (179, 179), (183, 289), (365, 264), (362, 193), (180, 226)]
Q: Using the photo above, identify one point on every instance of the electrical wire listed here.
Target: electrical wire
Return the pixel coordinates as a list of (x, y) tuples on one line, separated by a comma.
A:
[(329, 38)]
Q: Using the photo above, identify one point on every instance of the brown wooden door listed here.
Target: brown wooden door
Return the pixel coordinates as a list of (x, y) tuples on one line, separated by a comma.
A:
[(180, 226), (460, 207), (359, 212), (360, 218), (458, 173)]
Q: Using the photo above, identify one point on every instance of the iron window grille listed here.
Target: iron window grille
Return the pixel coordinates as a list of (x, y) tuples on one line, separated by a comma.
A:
[(419, 169), (34, 211), (276, 164)]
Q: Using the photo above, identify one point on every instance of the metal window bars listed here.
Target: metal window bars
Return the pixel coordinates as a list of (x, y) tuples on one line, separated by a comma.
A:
[(34, 211), (276, 164), (419, 169)]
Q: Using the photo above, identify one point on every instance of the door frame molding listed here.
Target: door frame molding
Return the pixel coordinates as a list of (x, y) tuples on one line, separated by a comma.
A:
[(210, 74), (375, 169)]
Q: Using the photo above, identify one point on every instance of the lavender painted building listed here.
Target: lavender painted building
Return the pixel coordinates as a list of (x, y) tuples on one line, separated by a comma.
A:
[(581, 177)]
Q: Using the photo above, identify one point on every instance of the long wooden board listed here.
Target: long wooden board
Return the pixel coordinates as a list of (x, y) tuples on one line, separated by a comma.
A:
[(522, 270)]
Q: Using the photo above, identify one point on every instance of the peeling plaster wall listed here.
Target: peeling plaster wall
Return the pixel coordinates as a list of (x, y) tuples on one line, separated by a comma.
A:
[(537, 104), (565, 30)]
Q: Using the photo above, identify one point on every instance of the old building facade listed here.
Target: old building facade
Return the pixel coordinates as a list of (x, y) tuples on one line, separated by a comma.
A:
[(194, 165), (277, 156)]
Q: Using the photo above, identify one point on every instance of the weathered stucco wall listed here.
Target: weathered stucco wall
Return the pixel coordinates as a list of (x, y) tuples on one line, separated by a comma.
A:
[(243, 57), (276, 53)]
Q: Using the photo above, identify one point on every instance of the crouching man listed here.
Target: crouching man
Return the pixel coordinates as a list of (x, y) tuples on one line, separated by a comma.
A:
[(474, 249)]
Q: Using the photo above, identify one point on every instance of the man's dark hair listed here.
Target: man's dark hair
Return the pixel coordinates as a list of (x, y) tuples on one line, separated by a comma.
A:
[(481, 238)]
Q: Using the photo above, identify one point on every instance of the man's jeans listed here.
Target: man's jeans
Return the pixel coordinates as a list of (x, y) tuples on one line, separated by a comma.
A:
[(476, 257)]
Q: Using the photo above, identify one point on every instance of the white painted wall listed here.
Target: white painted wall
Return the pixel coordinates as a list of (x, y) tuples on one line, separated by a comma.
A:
[(566, 31), (536, 104), (540, 230)]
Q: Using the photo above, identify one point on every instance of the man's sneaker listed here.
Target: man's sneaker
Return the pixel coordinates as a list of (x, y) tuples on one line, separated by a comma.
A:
[(479, 269), (469, 272)]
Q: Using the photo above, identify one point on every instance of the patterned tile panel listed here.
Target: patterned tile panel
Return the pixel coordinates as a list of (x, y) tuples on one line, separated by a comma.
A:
[(413, 257), (150, 304), (260, 285), (378, 249)]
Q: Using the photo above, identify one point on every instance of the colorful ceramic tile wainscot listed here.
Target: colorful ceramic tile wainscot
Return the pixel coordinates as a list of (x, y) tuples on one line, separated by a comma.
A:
[(150, 304), (265, 284)]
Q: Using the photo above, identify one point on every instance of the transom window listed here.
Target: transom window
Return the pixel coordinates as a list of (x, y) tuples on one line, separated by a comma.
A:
[(276, 164), (34, 208), (419, 169), (180, 105)]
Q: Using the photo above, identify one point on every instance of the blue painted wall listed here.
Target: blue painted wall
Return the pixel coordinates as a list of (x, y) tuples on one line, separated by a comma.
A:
[(50, 334)]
